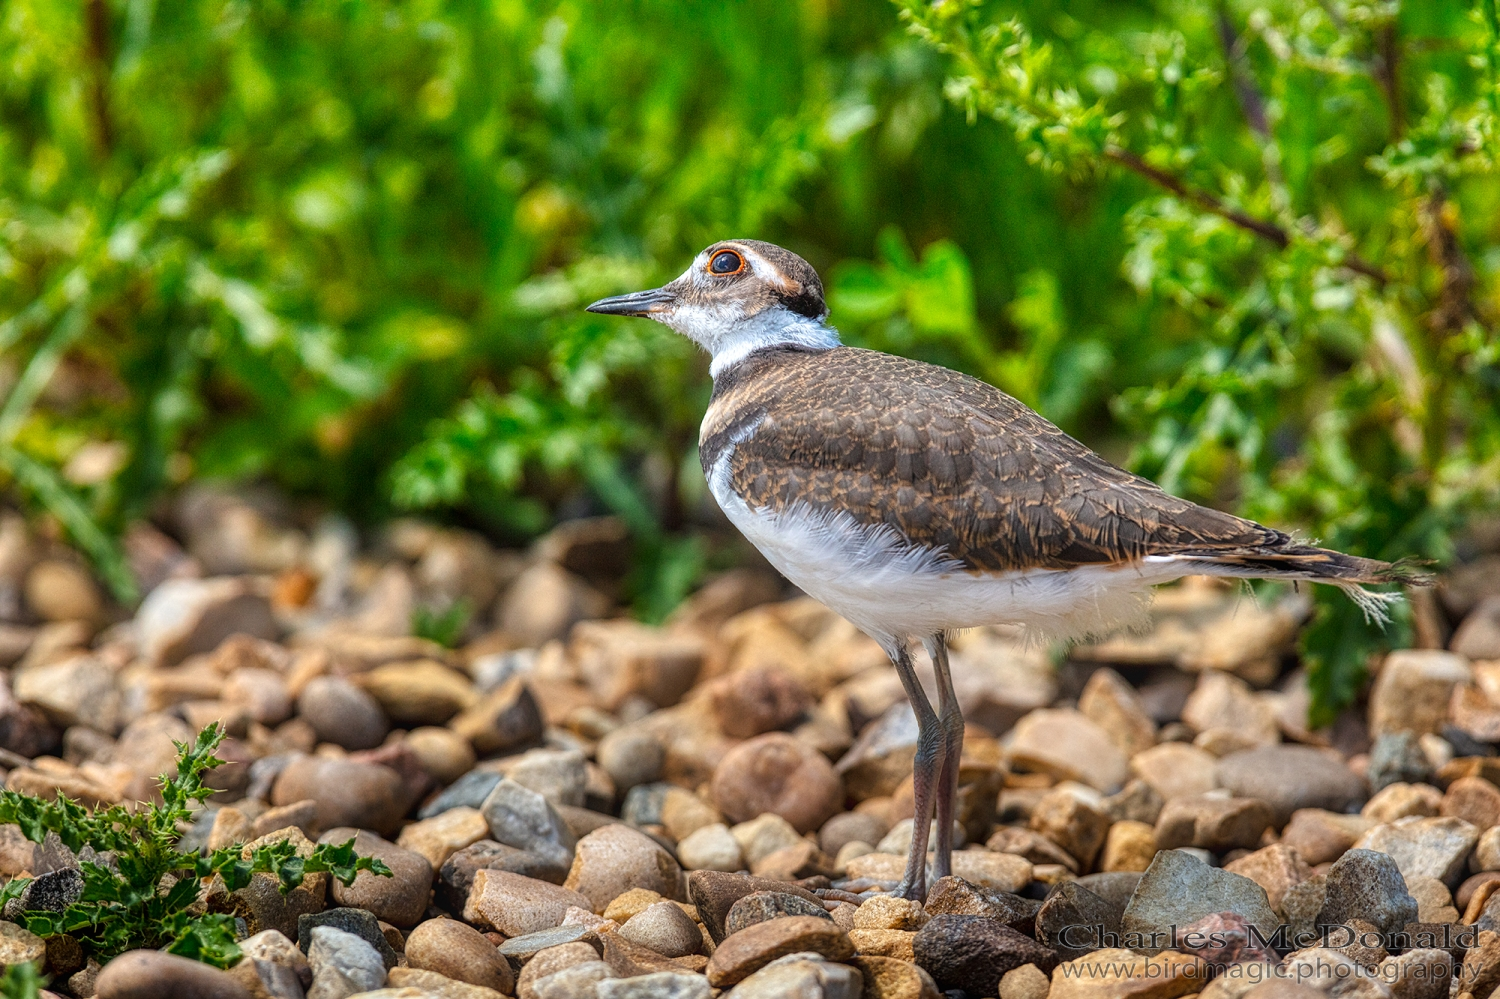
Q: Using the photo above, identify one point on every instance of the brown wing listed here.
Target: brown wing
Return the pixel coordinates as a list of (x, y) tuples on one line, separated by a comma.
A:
[(948, 461)]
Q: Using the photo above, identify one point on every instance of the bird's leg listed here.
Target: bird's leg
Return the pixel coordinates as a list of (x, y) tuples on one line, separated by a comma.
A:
[(924, 773), (951, 721)]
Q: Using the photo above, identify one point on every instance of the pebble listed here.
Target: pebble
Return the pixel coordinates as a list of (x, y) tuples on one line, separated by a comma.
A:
[(421, 692), (1320, 836), (850, 827), (763, 835), (752, 701), (1130, 846), (659, 985), (274, 947), (183, 617), (711, 848), (1026, 982), (152, 974), (973, 952), (683, 813), (460, 952), (631, 757), (1433, 847), (1365, 884), (1478, 637), (1422, 973), (457, 873), (342, 964), (777, 773), (524, 949), (443, 753), (522, 818), (506, 717), (957, 897), (414, 983), (1113, 704), (581, 981), (1072, 817), (354, 921), (1070, 746), (515, 905), (348, 792), (548, 961), (621, 659), (805, 976), (1276, 868), (1212, 822), (1291, 777), (1176, 770), (559, 775), (1074, 920), (714, 893), (761, 906), (76, 690), (1221, 703), (1398, 800), (1413, 688), (58, 590), (261, 692), (615, 858), (469, 790), (400, 899), (1124, 974), (665, 928), (741, 954), (1473, 799), (443, 835), (881, 757), (342, 713), (1179, 889)]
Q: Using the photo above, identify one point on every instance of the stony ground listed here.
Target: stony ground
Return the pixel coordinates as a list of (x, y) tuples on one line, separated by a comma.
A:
[(577, 806)]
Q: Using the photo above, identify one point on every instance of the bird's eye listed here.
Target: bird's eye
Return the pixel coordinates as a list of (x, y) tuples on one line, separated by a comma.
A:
[(725, 262)]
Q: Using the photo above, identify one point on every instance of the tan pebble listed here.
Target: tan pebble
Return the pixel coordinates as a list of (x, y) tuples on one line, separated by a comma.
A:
[(1026, 982)]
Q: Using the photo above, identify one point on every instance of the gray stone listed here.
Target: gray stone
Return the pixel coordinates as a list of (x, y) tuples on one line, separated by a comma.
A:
[(456, 875), (581, 981), (1397, 757), (956, 897), (559, 775), (643, 804), (356, 921), (805, 976), (1179, 889), (757, 907), (1431, 847), (1364, 884), (522, 948), (342, 713), (1301, 906), (342, 964), (522, 818), (1290, 777), (469, 790), (661, 985), (666, 929)]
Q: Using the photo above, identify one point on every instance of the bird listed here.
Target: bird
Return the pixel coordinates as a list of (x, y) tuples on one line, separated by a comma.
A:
[(917, 501)]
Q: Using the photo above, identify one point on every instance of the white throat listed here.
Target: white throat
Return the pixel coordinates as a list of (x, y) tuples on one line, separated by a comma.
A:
[(731, 342)]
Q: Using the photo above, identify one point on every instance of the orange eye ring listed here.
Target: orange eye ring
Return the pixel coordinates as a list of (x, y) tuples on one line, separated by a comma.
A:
[(725, 263)]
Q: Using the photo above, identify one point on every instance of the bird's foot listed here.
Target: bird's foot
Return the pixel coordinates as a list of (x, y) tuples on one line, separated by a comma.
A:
[(914, 889)]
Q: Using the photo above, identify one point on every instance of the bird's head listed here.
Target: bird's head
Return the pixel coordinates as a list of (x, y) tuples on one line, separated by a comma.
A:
[(737, 296)]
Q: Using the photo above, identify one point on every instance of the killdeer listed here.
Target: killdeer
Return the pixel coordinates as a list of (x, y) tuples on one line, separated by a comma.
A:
[(916, 501)]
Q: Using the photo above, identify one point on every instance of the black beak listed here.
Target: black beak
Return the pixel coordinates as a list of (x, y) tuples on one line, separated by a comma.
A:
[(637, 303)]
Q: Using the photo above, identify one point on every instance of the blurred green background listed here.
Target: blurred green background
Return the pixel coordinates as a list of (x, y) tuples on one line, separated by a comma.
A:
[(1250, 249)]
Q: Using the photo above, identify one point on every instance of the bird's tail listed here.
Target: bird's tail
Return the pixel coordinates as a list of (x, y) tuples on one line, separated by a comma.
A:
[(1296, 562)]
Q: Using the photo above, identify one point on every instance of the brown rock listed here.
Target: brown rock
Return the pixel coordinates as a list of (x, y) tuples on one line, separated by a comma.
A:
[(443, 753), (443, 835), (623, 659), (714, 893), (1176, 770), (516, 905), (400, 899), (152, 974), (459, 951), (1275, 868), (1070, 746), (615, 858), (1319, 836), (1114, 706), (57, 590), (1226, 703), (1412, 690), (545, 601), (751, 949), (777, 773), (348, 793), (423, 692), (884, 943), (504, 718), (889, 978), (183, 617), (1212, 823), (342, 714), (1070, 818), (1400, 799), (1129, 847), (1473, 799), (753, 701)]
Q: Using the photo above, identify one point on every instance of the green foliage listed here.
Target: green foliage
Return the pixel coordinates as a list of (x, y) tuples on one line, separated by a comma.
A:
[(444, 626), (144, 897), (21, 981), (1308, 255)]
